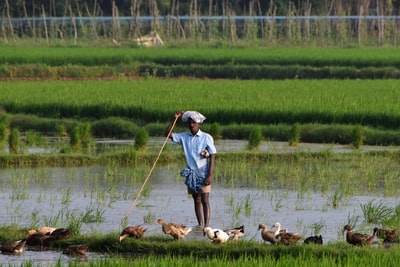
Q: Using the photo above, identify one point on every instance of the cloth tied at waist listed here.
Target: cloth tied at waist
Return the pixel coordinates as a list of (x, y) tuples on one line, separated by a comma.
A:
[(194, 178)]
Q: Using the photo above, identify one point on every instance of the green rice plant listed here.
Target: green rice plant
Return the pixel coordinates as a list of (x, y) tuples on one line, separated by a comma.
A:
[(14, 141), (146, 191), (336, 198), (75, 141), (4, 127), (294, 138), (141, 139), (357, 139), (255, 138), (66, 196), (114, 126), (85, 135), (376, 213), (19, 194), (93, 214), (394, 219), (317, 227), (61, 130), (247, 205), (276, 201), (75, 223), (215, 131), (33, 138)]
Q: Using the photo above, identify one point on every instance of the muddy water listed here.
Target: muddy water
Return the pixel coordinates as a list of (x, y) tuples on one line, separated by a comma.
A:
[(45, 194)]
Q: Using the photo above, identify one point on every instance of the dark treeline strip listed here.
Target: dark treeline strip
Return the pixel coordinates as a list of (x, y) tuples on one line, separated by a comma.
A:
[(19, 8), (254, 72), (229, 71)]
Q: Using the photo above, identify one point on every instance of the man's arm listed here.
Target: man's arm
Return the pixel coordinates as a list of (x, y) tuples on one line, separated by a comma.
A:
[(168, 131), (210, 170)]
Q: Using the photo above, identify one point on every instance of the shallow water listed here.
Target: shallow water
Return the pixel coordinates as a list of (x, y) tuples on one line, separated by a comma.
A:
[(49, 195)]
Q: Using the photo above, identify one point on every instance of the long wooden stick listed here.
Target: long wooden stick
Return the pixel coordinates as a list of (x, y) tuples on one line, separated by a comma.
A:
[(124, 220)]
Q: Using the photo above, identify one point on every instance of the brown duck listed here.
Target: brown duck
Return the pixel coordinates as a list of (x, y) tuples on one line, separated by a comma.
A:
[(388, 235), (40, 240), (132, 231), (358, 239), (16, 246), (288, 238), (267, 235), (178, 231), (76, 250), (61, 233)]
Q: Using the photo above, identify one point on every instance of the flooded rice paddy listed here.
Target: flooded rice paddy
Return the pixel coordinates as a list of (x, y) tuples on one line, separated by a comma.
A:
[(100, 196)]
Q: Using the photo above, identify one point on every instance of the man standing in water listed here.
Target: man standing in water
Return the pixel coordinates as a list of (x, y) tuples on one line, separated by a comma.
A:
[(200, 153)]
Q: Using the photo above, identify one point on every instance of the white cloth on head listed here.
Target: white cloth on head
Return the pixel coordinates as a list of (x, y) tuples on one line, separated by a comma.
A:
[(194, 115)]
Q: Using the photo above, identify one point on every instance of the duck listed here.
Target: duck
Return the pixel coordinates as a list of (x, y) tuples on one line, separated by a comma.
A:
[(278, 226), (15, 246), (358, 239), (315, 239), (388, 235), (61, 233), (43, 230), (132, 231), (39, 240), (288, 238), (235, 233), (75, 250), (267, 235), (176, 230), (216, 235)]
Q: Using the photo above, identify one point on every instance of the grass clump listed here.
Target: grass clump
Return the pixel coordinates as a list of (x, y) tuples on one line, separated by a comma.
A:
[(14, 141), (141, 139), (376, 213), (294, 139), (255, 138), (114, 127), (357, 138), (215, 131)]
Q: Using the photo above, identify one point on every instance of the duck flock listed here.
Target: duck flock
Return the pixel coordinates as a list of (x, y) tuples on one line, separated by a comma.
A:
[(46, 236), (276, 236), (42, 238)]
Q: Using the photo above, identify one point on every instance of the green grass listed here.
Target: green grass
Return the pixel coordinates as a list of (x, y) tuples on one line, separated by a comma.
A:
[(365, 102), (99, 56), (31, 62)]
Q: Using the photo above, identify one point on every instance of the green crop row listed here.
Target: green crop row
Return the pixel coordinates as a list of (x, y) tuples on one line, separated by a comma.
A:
[(95, 56), (230, 63), (366, 102)]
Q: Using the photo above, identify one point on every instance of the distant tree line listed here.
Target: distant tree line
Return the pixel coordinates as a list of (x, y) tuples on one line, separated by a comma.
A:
[(59, 8)]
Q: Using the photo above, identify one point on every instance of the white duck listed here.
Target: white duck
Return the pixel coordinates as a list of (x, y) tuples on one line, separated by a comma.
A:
[(235, 233), (278, 231), (216, 235)]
